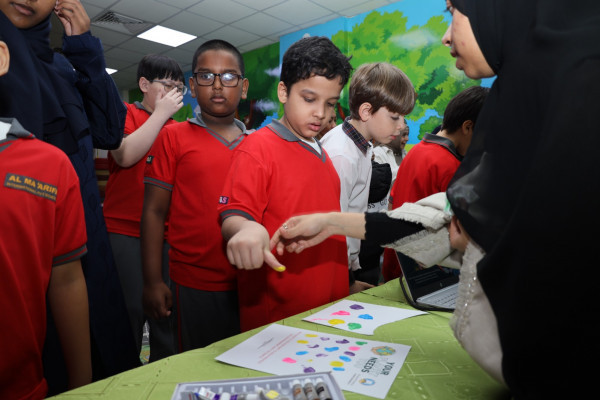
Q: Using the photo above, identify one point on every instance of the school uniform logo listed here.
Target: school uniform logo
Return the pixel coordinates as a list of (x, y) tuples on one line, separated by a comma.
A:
[(30, 185), (223, 199), (149, 159)]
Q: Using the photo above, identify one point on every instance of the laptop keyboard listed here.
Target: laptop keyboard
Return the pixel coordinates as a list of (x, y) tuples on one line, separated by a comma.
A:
[(442, 298)]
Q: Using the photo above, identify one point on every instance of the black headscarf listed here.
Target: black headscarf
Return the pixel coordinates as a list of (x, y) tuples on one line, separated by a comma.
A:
[(43, 101), (527, 189)]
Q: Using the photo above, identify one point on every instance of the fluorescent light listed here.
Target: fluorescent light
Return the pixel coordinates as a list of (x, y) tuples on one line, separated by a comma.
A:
[(167, 36), (110, 71)]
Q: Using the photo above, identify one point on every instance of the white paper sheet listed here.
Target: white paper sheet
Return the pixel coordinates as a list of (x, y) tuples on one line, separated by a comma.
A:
[(354, 316), (358, 365)]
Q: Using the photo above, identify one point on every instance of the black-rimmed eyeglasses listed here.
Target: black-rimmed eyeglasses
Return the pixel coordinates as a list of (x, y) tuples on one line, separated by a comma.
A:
[(169, 86), (228, 79)]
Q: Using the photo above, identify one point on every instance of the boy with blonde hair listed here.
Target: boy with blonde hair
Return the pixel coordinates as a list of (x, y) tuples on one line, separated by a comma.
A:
[(380, 95)]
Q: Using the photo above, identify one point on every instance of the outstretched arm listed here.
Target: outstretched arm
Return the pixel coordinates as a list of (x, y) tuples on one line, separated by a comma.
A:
[(248, 244), (301, 232), (68, 301)]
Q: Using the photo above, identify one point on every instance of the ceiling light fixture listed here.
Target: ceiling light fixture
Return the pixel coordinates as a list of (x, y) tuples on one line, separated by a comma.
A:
[(169, 37)]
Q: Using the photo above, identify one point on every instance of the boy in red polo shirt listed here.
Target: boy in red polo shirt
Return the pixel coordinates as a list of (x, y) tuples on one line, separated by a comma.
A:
[(43, 239), (429, 165), (161, 81), (279, 171), (184, 176)]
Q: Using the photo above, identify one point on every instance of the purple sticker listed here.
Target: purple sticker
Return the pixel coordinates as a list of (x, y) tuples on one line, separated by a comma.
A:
[(349, 353), (308, 370), (343, 341), (313, 347), (356, 307), (321, 355), (324, 338)]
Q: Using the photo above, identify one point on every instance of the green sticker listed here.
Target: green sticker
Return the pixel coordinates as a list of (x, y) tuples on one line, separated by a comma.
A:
[(354, 325), (360, 343)]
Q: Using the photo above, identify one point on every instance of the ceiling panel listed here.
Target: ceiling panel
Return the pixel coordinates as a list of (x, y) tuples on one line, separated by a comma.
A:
[(247, 24)]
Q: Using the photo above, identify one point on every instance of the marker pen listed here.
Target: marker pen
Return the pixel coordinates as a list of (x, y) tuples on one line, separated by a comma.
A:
[(322, 390), (297, 391)]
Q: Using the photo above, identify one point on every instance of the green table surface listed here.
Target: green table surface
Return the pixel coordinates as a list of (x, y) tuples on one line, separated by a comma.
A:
[(437, 367)]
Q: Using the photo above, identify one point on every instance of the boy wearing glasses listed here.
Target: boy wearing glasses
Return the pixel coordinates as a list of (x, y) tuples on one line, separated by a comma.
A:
[(184, 175), (160, 79), (279, 171)]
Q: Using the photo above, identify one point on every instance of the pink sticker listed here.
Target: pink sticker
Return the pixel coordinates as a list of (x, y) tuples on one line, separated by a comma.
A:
[(289, 360), (341, 313), (354, 348)]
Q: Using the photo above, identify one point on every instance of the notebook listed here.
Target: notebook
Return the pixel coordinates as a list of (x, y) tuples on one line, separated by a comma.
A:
[(432, 287)]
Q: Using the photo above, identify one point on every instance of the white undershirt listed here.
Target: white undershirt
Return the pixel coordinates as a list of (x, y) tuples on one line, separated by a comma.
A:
[(4, 128)]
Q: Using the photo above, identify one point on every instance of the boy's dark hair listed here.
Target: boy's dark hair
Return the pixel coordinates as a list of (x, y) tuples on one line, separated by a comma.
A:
[(465, 106), (155, 66), (315, 55), (381, 85), (218, 44)]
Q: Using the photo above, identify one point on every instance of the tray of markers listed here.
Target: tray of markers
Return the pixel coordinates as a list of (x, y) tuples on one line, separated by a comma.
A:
[(313, 386)]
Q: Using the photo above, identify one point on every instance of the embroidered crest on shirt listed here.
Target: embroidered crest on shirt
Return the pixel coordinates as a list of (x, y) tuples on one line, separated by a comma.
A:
[(149, 159), (30, 185), (223, 199)]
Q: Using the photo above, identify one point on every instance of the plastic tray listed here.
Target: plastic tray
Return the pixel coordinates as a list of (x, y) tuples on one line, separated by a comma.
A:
[(281, 384)]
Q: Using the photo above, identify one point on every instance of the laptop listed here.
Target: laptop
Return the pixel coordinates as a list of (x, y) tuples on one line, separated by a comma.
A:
[(429, 287)]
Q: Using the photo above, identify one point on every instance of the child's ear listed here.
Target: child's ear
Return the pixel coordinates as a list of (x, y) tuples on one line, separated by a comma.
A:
[(245, 85), (192, 86), (467, 127), (365, 111), (282, 92), (4, 58), (144, 84)]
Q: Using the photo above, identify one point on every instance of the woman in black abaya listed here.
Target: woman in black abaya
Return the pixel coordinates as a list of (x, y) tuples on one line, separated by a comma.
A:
[(527, 189)]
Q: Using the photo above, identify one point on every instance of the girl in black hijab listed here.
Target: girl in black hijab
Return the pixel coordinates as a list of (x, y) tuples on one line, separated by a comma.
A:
[(70, 101)]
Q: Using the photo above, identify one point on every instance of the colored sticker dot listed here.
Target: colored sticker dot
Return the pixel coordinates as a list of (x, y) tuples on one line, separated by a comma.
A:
[(339, 369), (356, 307), (341, 313), (354, 325), (360, 343), (343, 341), (349, 353), (301, 353), (365, 316), (346, 359), (289, 360), (331, 348), (311, 335), (335, 321), (336, 363), (308, 370), (303, 341), (354, 348)]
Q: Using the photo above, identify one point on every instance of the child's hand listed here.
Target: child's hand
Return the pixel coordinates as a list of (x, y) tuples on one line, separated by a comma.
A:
[(158, 301), (168, 104), (249, 248), (73, 16)]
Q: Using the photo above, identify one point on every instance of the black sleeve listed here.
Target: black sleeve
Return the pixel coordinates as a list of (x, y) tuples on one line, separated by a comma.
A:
[(382, 229)]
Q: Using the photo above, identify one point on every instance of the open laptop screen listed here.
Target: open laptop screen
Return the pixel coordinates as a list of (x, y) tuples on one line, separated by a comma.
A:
[(422, 281)]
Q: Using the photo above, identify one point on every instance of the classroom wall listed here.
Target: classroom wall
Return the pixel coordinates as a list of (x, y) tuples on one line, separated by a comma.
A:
[(407, 34)]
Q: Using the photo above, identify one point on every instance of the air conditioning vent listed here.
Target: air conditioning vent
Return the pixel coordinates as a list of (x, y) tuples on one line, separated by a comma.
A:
[(121, 23)]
